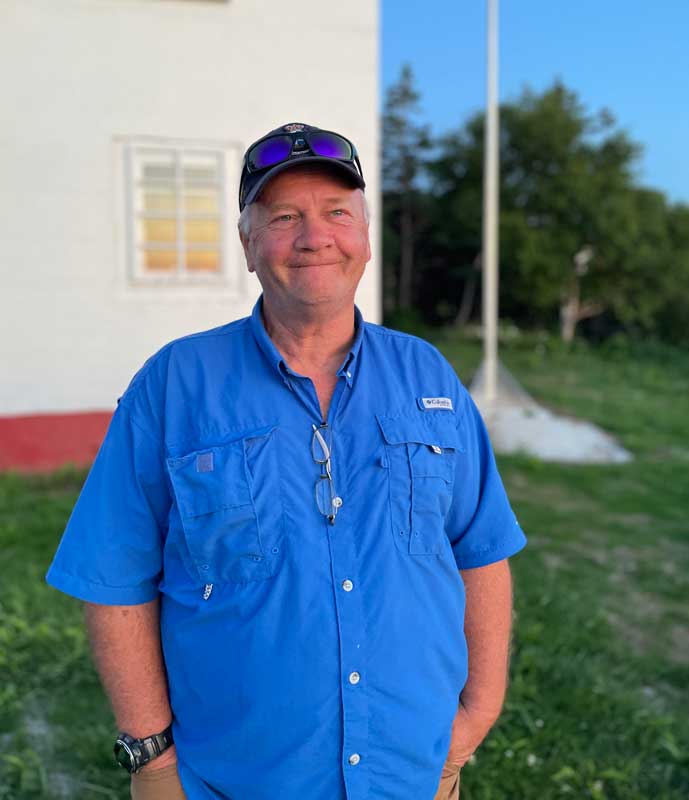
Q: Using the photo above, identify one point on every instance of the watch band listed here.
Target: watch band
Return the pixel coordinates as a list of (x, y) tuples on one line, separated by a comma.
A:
[(133, 753)]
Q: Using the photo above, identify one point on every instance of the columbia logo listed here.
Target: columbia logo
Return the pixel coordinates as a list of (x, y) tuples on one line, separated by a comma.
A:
[(437, 402)]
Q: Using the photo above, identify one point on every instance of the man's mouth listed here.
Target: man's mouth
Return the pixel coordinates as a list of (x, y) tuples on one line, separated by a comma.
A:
[(318, 264)]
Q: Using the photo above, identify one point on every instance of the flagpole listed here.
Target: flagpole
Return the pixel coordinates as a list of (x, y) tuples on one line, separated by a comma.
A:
[(491, 209)]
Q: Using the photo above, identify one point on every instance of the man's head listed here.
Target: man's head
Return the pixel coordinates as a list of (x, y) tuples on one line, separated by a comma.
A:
[(304, 223)]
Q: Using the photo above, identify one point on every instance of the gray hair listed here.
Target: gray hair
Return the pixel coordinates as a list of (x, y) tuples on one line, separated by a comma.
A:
[(244, 223)]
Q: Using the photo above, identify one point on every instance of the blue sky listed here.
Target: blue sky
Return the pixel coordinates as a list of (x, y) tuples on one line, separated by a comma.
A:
[(631, 57)]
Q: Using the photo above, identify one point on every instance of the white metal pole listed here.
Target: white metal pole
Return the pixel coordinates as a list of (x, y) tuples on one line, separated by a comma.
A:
[(490, 209)]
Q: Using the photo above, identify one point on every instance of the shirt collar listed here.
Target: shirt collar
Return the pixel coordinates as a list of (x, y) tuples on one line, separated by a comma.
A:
[(348, 368)]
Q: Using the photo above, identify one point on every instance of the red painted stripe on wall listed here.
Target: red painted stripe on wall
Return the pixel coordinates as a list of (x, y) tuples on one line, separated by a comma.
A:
[(42, 442)]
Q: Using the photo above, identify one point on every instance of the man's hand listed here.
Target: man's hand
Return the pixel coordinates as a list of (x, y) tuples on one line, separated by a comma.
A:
[(469, 729), (160, 783)]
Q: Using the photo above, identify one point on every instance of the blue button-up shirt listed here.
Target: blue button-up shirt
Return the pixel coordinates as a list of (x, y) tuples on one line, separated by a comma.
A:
[(306, 660)]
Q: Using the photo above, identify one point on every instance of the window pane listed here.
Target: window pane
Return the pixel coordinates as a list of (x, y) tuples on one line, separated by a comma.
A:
[(201, 230), (160, 260), (158, 172), (158, 230), (200, 169), (159, 200), (203, 260), (154, 166), (201, 202)]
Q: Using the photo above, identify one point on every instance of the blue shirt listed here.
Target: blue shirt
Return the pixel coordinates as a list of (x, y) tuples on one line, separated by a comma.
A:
[(305, 660)]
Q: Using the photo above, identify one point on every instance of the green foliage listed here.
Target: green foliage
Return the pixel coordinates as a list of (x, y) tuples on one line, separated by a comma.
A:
[(405, 138), (406, 145), (55, 725), (579, 238)]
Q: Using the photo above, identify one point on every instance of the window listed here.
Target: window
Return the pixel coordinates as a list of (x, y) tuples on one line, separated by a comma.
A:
[(177, 213)]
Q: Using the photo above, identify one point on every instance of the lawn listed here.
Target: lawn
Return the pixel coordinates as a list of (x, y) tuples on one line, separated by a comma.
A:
[(598, 705)]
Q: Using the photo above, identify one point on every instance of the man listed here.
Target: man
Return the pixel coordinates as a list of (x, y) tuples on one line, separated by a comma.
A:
[(278, 535)]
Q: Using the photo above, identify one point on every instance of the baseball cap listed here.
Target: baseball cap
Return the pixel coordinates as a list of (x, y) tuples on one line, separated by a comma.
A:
[(291, 145)]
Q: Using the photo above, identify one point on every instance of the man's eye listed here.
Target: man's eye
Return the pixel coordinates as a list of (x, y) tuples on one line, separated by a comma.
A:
[(338, 212), (284, 218)]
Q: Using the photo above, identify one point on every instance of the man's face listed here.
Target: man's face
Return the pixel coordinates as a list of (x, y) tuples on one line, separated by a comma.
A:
[(308, 242)]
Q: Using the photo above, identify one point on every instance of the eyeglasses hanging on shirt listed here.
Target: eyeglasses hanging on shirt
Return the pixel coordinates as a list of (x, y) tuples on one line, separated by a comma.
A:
[(326, 498)]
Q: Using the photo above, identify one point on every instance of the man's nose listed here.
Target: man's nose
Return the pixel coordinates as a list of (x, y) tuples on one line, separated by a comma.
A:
[(314, 233)]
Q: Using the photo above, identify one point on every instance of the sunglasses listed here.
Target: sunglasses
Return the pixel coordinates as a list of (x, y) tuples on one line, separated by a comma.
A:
[(279, 147), (282, 146)]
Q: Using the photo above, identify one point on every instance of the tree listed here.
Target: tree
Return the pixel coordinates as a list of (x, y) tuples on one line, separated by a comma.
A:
[(452, 245), (568, 184), (580, 240), (570, 222), (405, 141), (671, 313)]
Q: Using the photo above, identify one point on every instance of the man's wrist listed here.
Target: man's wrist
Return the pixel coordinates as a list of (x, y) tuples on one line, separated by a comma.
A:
[(134, 753), (163, 760)]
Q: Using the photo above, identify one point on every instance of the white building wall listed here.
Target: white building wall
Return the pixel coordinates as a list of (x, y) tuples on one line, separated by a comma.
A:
[(79, 75)]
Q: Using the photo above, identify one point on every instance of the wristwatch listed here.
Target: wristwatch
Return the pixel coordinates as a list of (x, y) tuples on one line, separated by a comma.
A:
[(133, 753)]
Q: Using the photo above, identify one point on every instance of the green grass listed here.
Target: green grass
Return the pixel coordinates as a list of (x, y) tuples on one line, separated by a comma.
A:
[(55, 726), (598, 704)]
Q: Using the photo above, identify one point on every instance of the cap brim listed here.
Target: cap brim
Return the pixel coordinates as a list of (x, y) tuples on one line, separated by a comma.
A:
[(339, 167)]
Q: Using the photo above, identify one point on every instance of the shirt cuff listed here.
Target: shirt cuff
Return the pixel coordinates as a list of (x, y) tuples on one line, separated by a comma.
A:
[(481, 558), (91, 592)]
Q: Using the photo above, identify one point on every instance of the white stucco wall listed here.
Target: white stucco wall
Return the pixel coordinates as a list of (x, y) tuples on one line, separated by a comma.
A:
[(79, 75)]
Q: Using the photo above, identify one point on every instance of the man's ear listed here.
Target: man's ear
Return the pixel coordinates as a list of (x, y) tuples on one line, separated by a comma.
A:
[(244, 239)]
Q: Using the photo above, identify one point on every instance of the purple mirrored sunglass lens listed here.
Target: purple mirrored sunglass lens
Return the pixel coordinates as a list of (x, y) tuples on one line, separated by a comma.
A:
[(330, 145), (270, 152)]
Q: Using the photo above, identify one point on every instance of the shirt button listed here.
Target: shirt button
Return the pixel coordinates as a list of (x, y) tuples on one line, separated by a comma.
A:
[(349, 374), (347, 585), (337, 502), (354, 759), (354, 677)]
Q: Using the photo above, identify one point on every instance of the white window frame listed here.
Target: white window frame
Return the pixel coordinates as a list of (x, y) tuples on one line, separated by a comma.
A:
[(228, 159)]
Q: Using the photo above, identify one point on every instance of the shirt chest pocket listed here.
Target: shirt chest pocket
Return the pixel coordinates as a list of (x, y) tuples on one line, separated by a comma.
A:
[(421, 454), (228, 499)]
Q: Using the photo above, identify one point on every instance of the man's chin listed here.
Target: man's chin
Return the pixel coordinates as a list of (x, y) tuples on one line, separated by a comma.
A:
[(322, 296), (321, 290)]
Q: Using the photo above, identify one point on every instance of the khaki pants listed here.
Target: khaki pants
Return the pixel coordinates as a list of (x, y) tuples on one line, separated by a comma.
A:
[(449, 783), (163, 784)]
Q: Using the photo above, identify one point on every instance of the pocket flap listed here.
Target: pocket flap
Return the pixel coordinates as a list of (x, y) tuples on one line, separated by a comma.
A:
[(214, 478), (429, 429)]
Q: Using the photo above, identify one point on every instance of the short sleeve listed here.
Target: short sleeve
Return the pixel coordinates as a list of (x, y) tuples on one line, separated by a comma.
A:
[(111, 550), (481, 525)]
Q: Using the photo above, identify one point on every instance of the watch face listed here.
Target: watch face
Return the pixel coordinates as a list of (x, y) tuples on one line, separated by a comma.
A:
[(124, 756)]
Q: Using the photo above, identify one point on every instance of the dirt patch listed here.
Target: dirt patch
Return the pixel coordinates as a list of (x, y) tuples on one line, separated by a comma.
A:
[(596, 554), (41, 735), (561, 500), (552, 561), (630, 520), (620, 561), (632, 634), (679, 644), (642, 621)]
